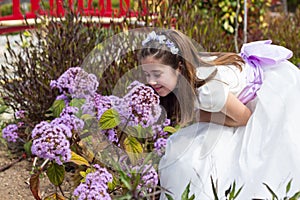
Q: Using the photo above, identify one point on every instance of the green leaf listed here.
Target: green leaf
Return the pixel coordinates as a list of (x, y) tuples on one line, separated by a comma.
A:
[(134, 131), (77, 159), (3, 109), (288, 187), (169, 197), (170, 129), (57, 107), (27, 34), (87, 117), (112, 185), (214, 188), (77, 103), (109, 119), (271, 191), (192, 197), (231, 196), (185, 194), (238, 192), (296, 196), (133, 148), (27, 147), (228, 191), (56, 174), (125, 180)]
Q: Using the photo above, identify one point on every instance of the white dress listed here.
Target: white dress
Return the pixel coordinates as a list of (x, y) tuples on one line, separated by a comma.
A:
[(266, 150)]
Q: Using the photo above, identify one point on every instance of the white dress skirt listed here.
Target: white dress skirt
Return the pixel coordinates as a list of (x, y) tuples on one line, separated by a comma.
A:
[(265, 151)]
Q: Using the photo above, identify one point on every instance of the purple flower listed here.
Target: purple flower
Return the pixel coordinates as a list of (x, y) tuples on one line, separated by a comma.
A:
[(64, 98), (97, 105), (111, 134), (76, 82), (10, 133), (160, 145), (68, 118), (95, 185), (141, 105), (158, 131), (50, 142), (20, 114), (149, 178)]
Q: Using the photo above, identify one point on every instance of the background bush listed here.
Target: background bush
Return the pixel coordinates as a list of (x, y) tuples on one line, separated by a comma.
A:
[(55, 47), (285, 30)]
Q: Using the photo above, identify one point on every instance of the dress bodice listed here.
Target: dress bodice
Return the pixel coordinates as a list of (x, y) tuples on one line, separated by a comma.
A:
[(213, 94)]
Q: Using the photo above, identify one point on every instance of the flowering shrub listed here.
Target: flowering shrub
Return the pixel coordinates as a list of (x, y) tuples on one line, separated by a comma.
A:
[(115, 141)]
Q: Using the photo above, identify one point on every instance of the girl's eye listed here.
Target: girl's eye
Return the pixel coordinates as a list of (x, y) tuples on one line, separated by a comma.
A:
[(157, 75)]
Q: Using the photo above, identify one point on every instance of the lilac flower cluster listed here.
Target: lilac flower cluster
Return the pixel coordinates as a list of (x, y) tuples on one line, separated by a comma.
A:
[(76, 82), (142, 104), (160, 145), (149, 177), (111, 135), (158, 131), (95, 185), (160, 137), (68, 118), (97, 104), (10, 133), (50, 142), (20, 114)]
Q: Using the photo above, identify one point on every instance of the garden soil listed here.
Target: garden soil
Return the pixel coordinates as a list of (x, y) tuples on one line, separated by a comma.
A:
[(14, 181)]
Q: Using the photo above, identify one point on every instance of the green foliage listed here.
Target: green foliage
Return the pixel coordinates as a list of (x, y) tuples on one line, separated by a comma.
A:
[(231, 193), (185, 194), (294, 196), (217, 19), (6, 9), (56, 173), (109, 119), (284, 30), (199, 23)]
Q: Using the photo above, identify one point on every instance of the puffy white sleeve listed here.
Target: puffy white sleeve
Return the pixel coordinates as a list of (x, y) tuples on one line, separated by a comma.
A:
[(212, 96)]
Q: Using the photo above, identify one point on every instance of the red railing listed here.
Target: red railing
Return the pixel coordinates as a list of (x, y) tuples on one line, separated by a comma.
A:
[(16, 20)]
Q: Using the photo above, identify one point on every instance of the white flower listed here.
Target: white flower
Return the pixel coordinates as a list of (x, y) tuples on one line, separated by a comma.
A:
[(151, 36), (174, 50), (162, 39)]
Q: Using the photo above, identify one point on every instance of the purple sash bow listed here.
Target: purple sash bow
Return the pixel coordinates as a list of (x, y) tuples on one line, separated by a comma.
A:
[(258, 55)]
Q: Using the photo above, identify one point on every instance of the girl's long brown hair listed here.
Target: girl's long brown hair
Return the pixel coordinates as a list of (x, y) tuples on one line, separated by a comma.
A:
[(179, 104)]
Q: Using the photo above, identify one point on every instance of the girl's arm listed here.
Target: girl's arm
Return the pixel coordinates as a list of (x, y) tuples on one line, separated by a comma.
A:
[(234, 113)]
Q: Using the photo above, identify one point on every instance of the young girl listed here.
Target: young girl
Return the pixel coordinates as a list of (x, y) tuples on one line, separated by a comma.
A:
[(239, 115)]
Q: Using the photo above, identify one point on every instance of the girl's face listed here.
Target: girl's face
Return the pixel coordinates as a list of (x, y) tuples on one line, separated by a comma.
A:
[(162, 78)]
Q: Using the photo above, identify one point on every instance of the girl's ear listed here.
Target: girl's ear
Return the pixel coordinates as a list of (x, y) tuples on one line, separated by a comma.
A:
[(180, 66)]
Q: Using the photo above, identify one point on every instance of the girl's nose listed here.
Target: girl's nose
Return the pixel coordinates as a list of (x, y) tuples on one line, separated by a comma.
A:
[(152, 82)]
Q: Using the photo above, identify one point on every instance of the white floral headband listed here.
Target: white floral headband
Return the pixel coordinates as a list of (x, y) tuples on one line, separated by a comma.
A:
[(162, 39)]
